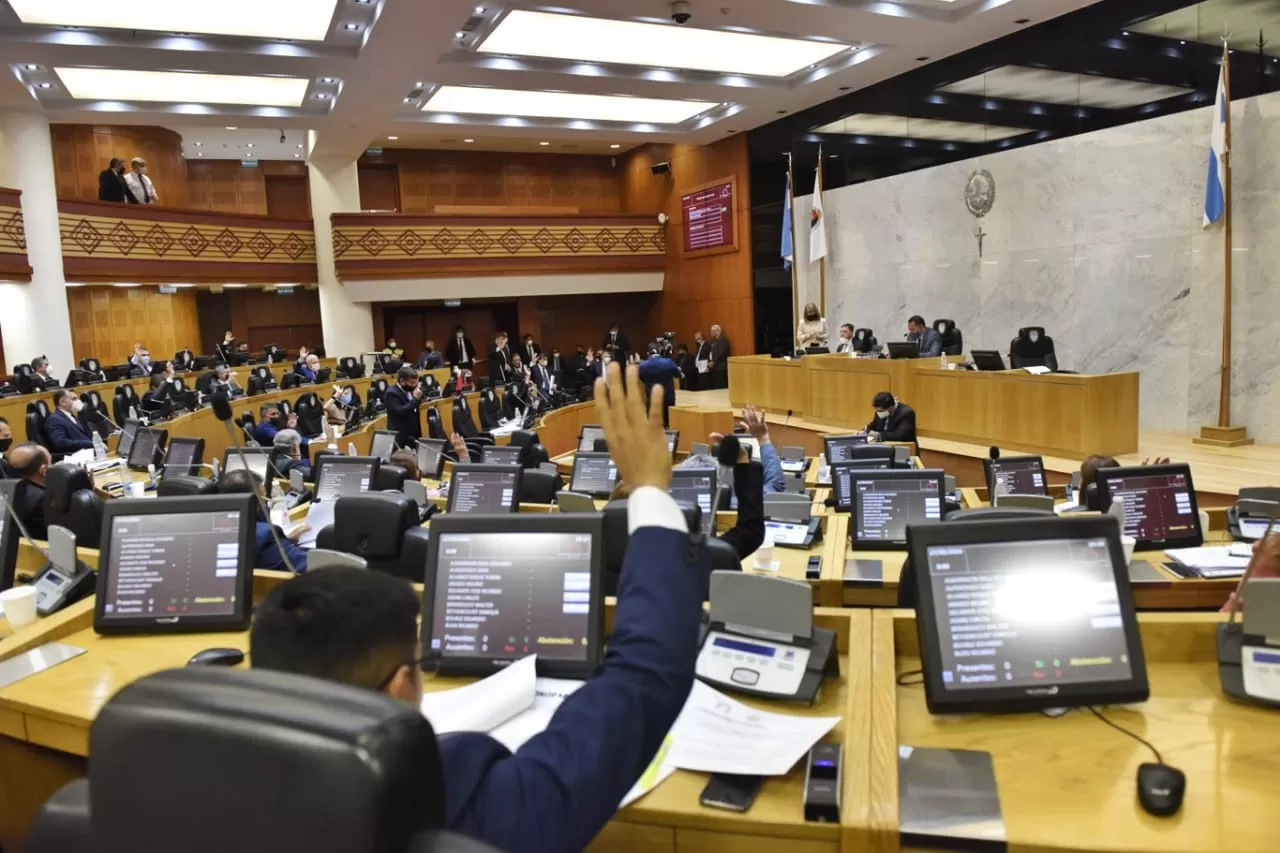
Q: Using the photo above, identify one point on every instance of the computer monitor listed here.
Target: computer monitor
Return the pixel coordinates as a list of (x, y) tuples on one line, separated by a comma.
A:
[(478, 488), (510, 454), (176, 564), (1159, 504), (694, 485), (127, 431), (987, 359), (839, 448), (383, 444), (258, 460), (1019, 475), (184, 457), (885, 502), (904, 349), (842, 479), (500, 590), (588, 435), (147, 449), (594, 474), (431, 457), (673, 440), (1021, 615), (337, 475), (750, 443), (8, 534)]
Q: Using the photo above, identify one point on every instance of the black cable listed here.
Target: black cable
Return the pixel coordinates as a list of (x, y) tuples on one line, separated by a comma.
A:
[(904, 676), (1123, 730)]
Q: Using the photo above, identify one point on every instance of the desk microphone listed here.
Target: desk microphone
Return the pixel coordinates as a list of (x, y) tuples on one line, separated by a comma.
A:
[(994, 453)]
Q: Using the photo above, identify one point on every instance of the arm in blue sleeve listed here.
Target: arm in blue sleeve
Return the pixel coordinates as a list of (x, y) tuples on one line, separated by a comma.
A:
[(774, 479), (563, 785)]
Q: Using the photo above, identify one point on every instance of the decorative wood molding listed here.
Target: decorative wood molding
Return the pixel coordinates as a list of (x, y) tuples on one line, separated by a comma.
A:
[(371, 246), (102, 241), (13, 237)]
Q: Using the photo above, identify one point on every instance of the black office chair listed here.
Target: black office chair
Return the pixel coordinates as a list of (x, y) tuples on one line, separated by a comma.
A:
[(362, 771), (94, 415), (1032, 348), (350, 368), (25, 378), (261, 380), (286, 408), (37, 414), (616, 535), (465, 425), (524, 437), (183, 360), (390, 478), (600, 445), (184, 485), (276, 353), (512, 400), (124, 399), (864, 340), (430, 387), (536, 456), (722, 557), (290, 381), (539, 487), (92, 365), (950, 337), (490, 410), (381, 527), (435, 427), (310, 414), (246, 422), (69, 501)]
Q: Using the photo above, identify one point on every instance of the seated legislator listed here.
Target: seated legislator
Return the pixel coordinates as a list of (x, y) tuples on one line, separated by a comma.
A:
[(845, 344), (6, 436), (308, 367), (558, 790), (288, 447), (430, 358), (270, 422), (927, 339), (774, 479), (63, 429), (335, 407), (266, 554), (812, 331), (155, 402), (41, 377), (29, 461), (894, 421)]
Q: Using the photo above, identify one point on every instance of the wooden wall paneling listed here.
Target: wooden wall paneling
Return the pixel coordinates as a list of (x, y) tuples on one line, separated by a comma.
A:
[(379, 186), (81, 151), (259, 317), (214, 313), (288, 196), (225, 186), (107, 321), (567, 321)]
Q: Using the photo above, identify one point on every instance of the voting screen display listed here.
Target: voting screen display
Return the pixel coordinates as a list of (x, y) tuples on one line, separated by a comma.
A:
[(593, 474), (1159, 503), (505, 455), (1019, 475), (842, 474), (341, 476), (484, 489), (839, 448), (431, 457), (502, 596), (587, 438), (693, 485), (884, 504)]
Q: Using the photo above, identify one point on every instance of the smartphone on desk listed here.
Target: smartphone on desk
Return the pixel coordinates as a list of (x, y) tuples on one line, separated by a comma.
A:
[(730, 791)]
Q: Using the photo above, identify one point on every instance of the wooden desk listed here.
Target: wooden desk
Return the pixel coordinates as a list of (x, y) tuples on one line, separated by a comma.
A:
[(775, 384), (1068, 783)]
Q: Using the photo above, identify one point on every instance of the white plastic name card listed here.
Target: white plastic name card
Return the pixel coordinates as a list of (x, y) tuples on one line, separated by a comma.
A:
[(1261, 672)]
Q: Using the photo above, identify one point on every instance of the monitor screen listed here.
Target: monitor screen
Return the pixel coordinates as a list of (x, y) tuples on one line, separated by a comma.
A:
[(431, 457), (176, 563), (495, 455), (8, 535), (842, 479), (1159, 504), (258, 459), (500, 595), (345, 475), (1026, 614), (694, 485), (147, 446), (383, 444), (749, 441), (839, 448), (587, 438), (184, 454), (885, 502), (593, 474), (130, 429), (1018, 475), (484, 488), (673, 438)]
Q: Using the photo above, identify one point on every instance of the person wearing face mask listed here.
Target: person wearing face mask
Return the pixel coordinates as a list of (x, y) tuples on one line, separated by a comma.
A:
[(111, 183), (266, 553), (430, 358), (846, 338), (270, 422), (894, 421), (335, 408), (309, 369), (460, 352), (6, 436), (403, 402), (65, 432), (393, 349), (138, 185), (924, 337), (140, 361), (499, 360)]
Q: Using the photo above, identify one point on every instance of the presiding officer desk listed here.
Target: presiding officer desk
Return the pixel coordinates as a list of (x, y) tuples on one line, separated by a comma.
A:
[(1061, 414)]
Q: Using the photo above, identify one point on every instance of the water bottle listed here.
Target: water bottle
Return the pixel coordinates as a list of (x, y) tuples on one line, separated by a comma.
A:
[(99, 447), (824, 470), (942, 361)]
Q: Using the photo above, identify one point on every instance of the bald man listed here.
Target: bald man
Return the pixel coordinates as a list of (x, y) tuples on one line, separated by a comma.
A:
[(29, 462)]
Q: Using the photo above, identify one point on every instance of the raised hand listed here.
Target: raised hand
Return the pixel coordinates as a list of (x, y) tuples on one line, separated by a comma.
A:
[(637, 442)]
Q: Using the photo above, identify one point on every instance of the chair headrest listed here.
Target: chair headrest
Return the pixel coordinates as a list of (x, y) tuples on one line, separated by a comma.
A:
[(616, 532), (523, 437), (433, 414), (722, 556), (39, 406), (63, 480), (390, 478), (536, 456), (1025, 333), (174, 485), (943, 326), (373, 525), (309, 764)]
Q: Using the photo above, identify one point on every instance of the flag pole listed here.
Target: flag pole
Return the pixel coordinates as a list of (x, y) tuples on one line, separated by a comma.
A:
[(822, 262), (795, 274)]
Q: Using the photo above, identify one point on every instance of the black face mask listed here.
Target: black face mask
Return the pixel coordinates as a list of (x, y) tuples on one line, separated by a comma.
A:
[(4, 444), (431, 349)]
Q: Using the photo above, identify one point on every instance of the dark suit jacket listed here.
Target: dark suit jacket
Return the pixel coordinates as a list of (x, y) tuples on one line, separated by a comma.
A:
[(30, 507), (402, 416), (430, 360), (659, 370), (540, 376), (525, 356), (111, 188), (901, 425), (454, 356), (930, 343), (66, 434), (499, 365), (748, 533), (719, 349), (623, 345)]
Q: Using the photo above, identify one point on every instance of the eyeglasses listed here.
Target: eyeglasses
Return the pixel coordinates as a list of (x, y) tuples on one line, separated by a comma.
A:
[(419, 663)]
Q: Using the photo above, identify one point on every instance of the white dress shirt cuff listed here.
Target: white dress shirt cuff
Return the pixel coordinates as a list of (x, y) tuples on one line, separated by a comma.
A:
[(649, 506)]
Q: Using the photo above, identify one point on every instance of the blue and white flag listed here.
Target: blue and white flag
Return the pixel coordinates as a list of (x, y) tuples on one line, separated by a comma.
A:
[(788, 253), (1215, 194)]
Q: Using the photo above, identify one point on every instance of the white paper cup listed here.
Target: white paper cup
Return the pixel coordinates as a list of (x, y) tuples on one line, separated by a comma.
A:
[(19, 606), (137, 490), (764, 558), (1204, 522), (1128, 543)]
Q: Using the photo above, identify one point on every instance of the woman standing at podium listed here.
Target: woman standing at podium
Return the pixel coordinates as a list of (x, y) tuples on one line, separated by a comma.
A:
[(812, 331)]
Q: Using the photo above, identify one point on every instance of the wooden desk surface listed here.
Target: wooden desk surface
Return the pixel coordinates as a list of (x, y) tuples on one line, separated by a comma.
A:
[(1068, 783)]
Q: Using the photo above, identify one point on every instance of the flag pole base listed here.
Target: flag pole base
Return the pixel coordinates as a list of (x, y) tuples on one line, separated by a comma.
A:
[(1228, 436)]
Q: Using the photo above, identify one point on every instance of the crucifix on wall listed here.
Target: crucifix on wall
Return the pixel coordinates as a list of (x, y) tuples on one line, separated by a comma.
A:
[(981, 235)]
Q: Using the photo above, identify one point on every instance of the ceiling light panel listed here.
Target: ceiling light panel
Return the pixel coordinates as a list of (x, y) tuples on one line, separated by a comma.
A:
[(467, 100), (902, 127), (303, 20), (572, 37), (114, 84), (1016, 83)]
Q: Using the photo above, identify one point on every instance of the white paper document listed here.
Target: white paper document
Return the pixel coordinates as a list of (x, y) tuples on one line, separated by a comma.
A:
[(1209, 561), (717, 734), (486, 704), (319, 516)]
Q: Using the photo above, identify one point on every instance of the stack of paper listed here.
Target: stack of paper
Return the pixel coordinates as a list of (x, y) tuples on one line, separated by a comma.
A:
[(1209, 562)]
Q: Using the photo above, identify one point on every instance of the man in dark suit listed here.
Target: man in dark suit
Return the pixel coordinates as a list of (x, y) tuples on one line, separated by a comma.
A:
[(29, 462), (529, 350), (63, 429), (157, 403), (616, 344), (659, 370), (718, 363), (430, 358), (404, 399), (845, 345), (894, 421), (499, 360), (555, 364), (541, 376), (460, 352), (111, 183), (924, 337)]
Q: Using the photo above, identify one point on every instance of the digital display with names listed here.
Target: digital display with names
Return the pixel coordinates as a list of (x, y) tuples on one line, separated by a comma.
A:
[(708, 218)]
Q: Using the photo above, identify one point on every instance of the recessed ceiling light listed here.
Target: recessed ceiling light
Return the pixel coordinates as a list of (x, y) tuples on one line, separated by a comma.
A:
[(198, 144), (479, 10), (468, 140), (470, 100), (408, 100), (321, 95), (110, 84), (235, 285), (351, 28), (544, 143), (573, 37), (31, 67), (125, 284), (392, 138), (460, 34), (329, 80), (297, 155), (199, 153), (299, 144), (45, 85), (232, 127), (248, 145), (615, 145), (303, 20)]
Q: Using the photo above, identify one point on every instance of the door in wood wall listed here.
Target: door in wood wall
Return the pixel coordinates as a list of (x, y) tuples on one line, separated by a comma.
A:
[(288, 197), (379, 187)]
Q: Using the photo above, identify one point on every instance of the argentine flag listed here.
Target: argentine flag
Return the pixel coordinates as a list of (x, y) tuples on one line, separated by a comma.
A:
[(1215, 194), (788, 253)]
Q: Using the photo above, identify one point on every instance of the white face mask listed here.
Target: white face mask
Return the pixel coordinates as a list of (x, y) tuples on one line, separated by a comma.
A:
[(76, 406), (882, 415)]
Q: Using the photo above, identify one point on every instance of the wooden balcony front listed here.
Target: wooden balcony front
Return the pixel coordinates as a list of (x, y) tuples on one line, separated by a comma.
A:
[(13, 238)]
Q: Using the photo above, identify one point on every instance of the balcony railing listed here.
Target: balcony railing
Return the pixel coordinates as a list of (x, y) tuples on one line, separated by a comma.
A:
[(102, 241), (13, 239)]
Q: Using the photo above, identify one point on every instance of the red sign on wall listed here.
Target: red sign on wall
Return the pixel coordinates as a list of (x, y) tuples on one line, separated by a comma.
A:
[(708, 218)]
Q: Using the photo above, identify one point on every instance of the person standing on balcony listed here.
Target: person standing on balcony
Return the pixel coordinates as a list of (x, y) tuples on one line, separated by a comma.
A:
[(138, 184), (111, 183)]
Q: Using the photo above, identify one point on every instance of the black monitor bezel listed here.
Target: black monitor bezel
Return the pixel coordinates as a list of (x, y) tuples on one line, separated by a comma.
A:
[(236, 621), (891, 474), (328, 459), (829, 440), (991, 356), (440, 457), (698, 472), (573, 473), (128, 430), (197, 458), (157, 454), (502, 448), (1106, 475), (268, 482), (991, 477), (392, 434), (480, 467), (1018, 699), (581, 430), (590, 523), (855, 465), (903, 349), (10, 534), (675, 445)]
